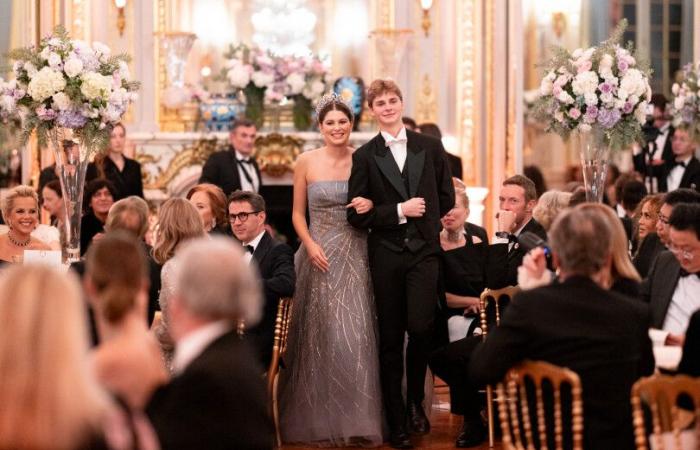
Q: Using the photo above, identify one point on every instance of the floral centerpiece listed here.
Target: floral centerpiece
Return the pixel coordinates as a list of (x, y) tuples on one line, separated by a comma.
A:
[(306, 79), (600, 93), (685, 105), (71, 92), (252, 71)]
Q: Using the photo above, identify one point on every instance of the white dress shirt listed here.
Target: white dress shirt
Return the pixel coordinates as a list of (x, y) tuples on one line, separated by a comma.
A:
[(399, 149), (242, 169), (673, 180), (684, 302), (254, 243), (193, 344)]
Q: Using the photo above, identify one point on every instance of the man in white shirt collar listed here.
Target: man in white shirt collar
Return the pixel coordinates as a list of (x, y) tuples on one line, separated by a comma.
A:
[(216, 396), (684, 155)]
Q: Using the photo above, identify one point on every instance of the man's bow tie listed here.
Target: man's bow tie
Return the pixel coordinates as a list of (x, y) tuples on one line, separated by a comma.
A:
[(685, 273), (249, 249), (679, 163), (245, 161), (396, 141)]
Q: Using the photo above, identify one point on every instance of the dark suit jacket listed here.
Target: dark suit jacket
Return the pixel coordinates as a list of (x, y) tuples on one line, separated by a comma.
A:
[(275, 262), (691, 176), (455, 165), (217, 402), (599, 334), (659, 285), (649, 249), (127, 182), (502, 265), (221, 169), (690, 363), (476, 230), (661, 171), (375, 175)]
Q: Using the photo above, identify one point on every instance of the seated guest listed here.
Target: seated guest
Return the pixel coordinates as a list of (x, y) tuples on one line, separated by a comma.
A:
[(178, 222), (671, 199), (210, 202), (548, 206), (648, 243), (619, 187), (217, 399), (684, 171), (690, 362), (49, 398), (579, 324), (673, 285), (274, 260), (632, 193), (127, 362), (20, 211), (463, 257), (98, 198), (516, 202)]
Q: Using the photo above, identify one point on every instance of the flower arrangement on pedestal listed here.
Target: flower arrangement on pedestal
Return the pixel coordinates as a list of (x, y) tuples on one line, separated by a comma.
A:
[(10, 129), (600, 93), (263, 77), (685, 104), (68, 90)]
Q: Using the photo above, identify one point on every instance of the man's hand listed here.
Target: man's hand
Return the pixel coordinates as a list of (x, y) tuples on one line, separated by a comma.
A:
[(506, 221), (675, 339), (414, 207), (362, 205)]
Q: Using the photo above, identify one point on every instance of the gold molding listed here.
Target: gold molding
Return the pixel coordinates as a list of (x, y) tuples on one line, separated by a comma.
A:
[(161, 75), (80, 23), (468, 30), (426, 109)]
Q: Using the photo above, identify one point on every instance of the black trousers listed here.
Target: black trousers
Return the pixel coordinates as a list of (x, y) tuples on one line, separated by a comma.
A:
[(451, 363), (405, 290)]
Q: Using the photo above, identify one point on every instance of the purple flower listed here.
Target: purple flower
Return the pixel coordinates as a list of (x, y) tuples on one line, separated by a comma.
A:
[(608, 117), (45, 113), (627, 108), (592, 112), (605, 88), (71, 118), (622, 65)]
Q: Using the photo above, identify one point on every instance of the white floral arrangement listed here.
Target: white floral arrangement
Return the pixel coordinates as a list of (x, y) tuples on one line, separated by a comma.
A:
[(249, 66), (9, 94), (604, 87), (685, 104), (70, 84), (306, 76)]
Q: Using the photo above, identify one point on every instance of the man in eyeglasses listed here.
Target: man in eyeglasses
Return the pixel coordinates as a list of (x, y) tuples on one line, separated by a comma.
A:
[(275, 261), (672, 288)]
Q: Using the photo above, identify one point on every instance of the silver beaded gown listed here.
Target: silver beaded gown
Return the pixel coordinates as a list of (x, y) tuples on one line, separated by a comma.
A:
[(329, 392)]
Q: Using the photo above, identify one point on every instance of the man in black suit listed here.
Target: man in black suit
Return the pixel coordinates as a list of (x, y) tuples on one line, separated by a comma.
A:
[(673, 285), (517, 199), (235, 168), (652, 160), (684, 170), (690, 362), (579, 324), (406, 175), (275, 262), (216, 398)]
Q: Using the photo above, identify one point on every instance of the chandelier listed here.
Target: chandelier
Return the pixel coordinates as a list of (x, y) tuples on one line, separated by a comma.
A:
[(284, 27)]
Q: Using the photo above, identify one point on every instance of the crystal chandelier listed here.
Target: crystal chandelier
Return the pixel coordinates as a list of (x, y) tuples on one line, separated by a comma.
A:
[(284, 27)]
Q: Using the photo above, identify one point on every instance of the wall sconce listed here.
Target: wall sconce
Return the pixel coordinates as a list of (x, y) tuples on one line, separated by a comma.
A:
[(121, 18), (425, 6)]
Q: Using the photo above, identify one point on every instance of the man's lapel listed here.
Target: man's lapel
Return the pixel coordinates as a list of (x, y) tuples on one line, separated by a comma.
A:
[(233, 166), (689, 172), (415, 159), (387, 165), (262, 248)]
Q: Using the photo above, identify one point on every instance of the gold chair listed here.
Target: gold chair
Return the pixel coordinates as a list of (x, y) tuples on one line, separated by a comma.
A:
[(492, 296), (514, 394), (661, 393), (284, 314)]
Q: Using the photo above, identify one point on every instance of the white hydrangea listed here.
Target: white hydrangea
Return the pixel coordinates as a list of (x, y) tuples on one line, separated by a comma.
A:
[(102, 51), (31, 69), (238, 76), (95, 86), (296, 83), (547, 83), (585, 83), (55, 60), (61, 101), (606, 62), (564, 97), (633, 83), (73, 67), (679, 102), (590, 99), (45, 83), (641, 112), (263, 79), (124, 72)]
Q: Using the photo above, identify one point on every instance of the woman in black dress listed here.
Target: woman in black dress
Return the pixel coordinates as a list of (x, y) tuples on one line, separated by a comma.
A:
[(98, 198), (124, 173)]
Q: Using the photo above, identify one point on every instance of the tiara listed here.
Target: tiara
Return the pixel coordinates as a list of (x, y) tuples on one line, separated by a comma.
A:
[(329, 98)]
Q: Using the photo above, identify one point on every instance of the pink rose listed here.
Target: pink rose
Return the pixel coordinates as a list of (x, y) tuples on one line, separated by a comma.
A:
[(574, 113)]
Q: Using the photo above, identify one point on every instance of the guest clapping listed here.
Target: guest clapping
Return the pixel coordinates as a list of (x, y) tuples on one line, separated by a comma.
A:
[(20, 211)]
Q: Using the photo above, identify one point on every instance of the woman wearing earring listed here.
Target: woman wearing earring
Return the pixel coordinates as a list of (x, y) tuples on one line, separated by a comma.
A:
[(330, 391), (210, 202), (20, 211)]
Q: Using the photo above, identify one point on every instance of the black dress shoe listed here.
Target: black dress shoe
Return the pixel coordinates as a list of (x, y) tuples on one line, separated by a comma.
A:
[(417, 420), (472, 434), (400, 439)]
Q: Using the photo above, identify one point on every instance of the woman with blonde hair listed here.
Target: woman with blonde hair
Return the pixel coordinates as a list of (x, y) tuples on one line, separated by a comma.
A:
[(127, 361), (20, 211), (549, 205), (49, 401), (178, 221)]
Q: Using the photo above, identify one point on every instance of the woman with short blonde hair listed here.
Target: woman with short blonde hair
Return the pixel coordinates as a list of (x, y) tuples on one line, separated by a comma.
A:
[(549, 205), (20, 211)]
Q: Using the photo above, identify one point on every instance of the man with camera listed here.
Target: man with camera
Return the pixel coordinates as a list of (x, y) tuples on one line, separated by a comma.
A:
[(654, 159)]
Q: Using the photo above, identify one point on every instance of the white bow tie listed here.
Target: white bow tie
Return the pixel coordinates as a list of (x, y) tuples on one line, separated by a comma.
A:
[(396, 141)]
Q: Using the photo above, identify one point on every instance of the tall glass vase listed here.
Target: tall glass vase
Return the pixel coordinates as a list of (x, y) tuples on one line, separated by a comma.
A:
[(595, 157), (71, 156), (254, 101)]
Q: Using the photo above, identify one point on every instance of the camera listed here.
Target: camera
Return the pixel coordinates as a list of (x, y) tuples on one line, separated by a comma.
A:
[(529, 241)]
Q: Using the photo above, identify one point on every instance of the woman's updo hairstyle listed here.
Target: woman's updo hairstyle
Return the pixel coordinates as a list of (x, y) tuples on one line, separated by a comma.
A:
[(332, 102)]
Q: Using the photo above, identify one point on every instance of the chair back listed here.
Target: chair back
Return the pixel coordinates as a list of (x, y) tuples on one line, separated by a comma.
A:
[(495, 297), (661, 393), (279, 345), (517, 419)]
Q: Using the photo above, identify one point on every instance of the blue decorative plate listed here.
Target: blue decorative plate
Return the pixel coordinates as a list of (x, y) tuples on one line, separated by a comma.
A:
[(352, 90), (217, 114)]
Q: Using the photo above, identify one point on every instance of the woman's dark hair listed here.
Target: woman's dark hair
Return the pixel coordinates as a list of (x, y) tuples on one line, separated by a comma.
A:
[(430, 129), (55, 186), (94, 186), (535, 174), (334, 105)]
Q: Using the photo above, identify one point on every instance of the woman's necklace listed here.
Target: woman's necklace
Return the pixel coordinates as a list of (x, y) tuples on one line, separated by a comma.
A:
[(454, 236), (17, 243)]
